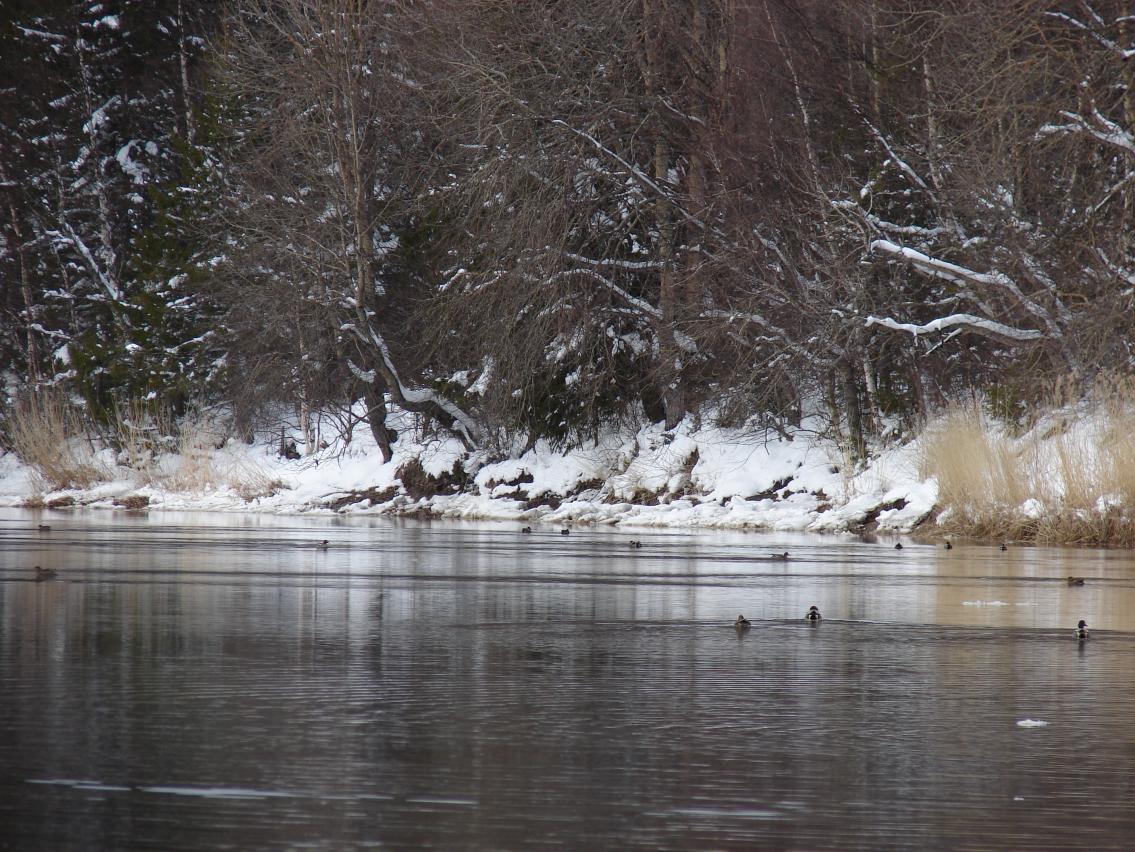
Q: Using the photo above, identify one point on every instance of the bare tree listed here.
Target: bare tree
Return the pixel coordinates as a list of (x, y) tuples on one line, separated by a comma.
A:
[(591, 192), (319, 155)]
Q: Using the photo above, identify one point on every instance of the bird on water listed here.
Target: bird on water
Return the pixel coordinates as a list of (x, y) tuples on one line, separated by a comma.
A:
[(813, 614), (42, 573), (1075, 581), (742, 623), (1082, 629)]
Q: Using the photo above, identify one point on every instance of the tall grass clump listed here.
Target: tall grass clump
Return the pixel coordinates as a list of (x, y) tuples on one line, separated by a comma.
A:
[(201, 466), (49, 433), (983, 477), (196, 470), (250, 481), (141, 431), (1069, 477)]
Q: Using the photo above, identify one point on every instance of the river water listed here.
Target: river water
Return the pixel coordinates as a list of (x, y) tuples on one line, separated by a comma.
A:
[(207, 681)]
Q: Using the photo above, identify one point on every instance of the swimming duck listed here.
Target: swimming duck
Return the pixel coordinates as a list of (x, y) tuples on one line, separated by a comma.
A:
[(813, 614), (1075, 581), (1082, 629), (780, 557), (635, 544), (323, 544), (42, 574), (898, 545), (526, 529), (1004, 547), (949, 546), (565, 531), (742, 623), (45, 528)]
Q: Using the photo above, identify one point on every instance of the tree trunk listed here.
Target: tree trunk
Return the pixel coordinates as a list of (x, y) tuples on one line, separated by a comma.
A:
[(375, 397), (1127, 32), (190, 125), (669, 364), (31, 352), (871, 393), (855, 444)]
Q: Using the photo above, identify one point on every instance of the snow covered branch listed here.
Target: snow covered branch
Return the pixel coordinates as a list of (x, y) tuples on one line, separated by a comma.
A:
[(69, 236), (1099, 38), (615, 263), (899, 162), (641, 304), (770, 328), (1099, 127), (940, 268), (413, 398), (962, 275), (986, 327), (638, 174)]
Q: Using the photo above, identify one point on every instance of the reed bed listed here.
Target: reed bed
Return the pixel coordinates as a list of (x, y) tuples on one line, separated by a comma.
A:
[(1069, 477)]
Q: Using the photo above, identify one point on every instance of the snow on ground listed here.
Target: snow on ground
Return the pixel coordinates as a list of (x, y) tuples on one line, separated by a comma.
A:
[(692, 476)]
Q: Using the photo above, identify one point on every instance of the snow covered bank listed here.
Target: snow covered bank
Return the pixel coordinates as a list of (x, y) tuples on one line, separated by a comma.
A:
[(691, 477)]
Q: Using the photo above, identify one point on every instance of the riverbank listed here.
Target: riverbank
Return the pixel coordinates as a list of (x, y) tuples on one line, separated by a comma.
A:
[(693, 476), (1066, 477)]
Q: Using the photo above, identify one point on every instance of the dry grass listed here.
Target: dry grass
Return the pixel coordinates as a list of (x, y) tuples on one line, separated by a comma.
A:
[(251, 482), (141, 432), (1069, 479), (48, 433), (979, 472), (197, 471)]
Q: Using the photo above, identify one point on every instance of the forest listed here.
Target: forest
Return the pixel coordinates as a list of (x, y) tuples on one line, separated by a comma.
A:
[(527, 220)]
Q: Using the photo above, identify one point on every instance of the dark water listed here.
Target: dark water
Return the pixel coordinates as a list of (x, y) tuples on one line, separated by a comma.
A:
[(218, 682)]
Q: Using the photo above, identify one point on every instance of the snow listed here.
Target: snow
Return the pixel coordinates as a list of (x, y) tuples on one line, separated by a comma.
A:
[(137, 172), (692, 476)]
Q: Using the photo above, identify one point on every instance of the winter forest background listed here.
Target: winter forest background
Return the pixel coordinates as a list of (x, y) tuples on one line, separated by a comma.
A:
[(526, 220)]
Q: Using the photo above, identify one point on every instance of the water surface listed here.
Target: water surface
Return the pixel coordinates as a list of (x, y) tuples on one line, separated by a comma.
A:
[(207, 681)]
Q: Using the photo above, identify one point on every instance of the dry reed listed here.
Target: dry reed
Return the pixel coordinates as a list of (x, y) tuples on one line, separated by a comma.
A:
[(1070, 478), (49, 434)]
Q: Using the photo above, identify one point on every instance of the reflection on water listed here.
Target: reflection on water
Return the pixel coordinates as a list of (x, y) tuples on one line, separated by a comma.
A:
[(202, 681)]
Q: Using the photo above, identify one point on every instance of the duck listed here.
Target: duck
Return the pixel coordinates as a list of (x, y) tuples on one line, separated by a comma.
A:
[(1082, 629), (634, 544), (526, 529), (1004, 546), (898, 545), (323, 544), (813, 614), (949, 546), (1075, 581), (780, 557), (742, 623), (42, 573), (45, 527), (565, 531)]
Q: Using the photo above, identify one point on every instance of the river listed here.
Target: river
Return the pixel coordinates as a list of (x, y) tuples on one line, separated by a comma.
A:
[(210, 681)]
